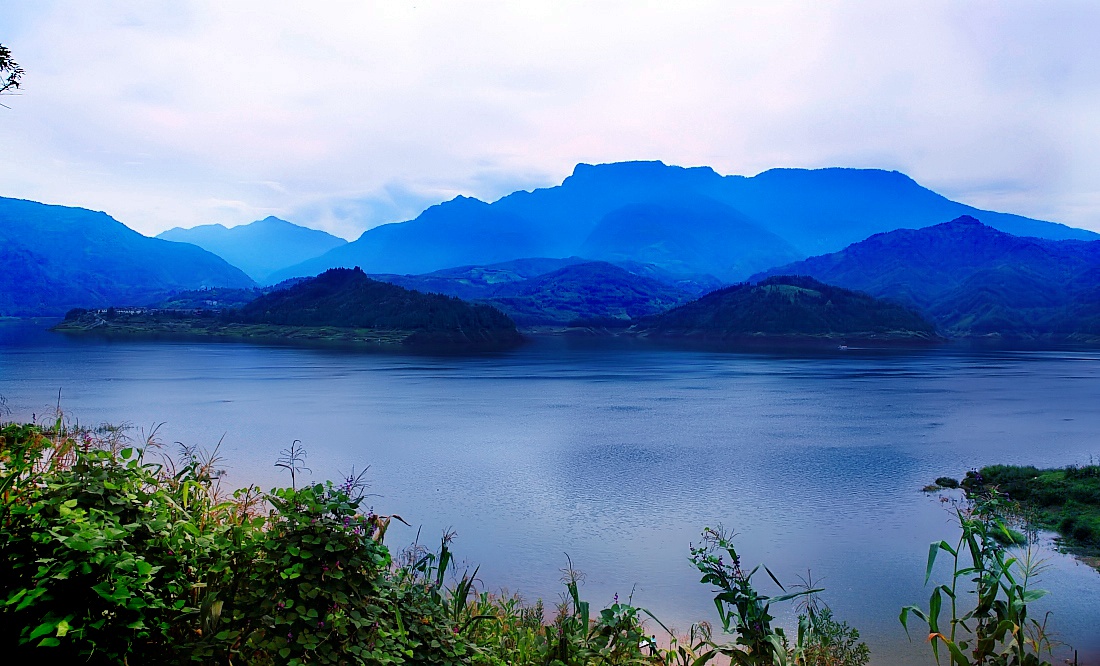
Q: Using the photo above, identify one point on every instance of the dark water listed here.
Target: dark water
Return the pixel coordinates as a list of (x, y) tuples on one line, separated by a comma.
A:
[(619, 456)]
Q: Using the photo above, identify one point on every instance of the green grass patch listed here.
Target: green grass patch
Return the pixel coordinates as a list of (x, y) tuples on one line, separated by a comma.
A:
[(1066, 500)]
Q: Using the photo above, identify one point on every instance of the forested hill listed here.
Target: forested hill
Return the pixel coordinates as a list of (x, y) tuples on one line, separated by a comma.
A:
[(790, 308), (346, 297), (53, 258), (973, 280)]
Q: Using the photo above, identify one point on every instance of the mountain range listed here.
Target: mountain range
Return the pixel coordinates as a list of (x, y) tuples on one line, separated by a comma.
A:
[(685, 220), (614, 243), (972, 279), (260, 248), (53, 258)]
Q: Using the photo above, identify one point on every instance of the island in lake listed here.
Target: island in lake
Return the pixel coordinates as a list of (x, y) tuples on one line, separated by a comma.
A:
[(341, 305)]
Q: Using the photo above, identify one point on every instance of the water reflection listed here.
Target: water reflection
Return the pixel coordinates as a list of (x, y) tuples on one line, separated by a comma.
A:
[(619, 457)]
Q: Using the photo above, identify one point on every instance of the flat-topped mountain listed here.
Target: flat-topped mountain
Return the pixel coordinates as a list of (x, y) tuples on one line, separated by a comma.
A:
[(790, 308), (260, 248), (681, 219), (53, 258), (973, 279)]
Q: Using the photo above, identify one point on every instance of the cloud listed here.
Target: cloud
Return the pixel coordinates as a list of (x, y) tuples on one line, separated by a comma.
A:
[(346, 115)]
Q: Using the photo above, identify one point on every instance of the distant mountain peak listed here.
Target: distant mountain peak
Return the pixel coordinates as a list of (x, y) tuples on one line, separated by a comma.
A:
[(261, 247), (965, 221), (271, 219), (636, 169)]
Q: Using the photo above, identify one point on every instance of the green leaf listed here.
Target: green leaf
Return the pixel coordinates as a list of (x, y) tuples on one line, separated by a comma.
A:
[(46, 627)]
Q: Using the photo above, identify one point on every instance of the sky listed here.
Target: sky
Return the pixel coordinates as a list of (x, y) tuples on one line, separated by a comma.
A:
[(346, 115)]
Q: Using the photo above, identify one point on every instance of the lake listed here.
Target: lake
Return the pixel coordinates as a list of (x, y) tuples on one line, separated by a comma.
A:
[(618, 455)]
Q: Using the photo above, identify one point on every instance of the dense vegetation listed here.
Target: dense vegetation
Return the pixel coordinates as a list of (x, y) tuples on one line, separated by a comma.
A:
[(347, 298), (53, 258), (790, 307), (215, 298), (585, 291), (118, 554), (973, 280), (1066, 499)]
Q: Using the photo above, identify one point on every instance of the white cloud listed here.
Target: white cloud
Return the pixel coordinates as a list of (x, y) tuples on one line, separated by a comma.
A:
[(344, 115)]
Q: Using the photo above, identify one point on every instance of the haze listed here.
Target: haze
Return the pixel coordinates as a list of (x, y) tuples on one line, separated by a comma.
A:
[(343, 116)]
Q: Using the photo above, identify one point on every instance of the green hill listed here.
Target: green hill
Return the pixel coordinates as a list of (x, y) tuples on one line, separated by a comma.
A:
[(973, 280), (789, 308), (347, 298)]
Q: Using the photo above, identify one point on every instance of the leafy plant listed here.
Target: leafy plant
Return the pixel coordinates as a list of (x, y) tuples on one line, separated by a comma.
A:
[(745, 612), (997, 630)]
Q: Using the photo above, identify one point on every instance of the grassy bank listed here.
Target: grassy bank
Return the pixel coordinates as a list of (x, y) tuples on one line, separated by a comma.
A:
[(1066, 500)]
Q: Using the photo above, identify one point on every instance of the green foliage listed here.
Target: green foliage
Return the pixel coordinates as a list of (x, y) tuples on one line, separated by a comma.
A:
[(746, 613), (833, 643), (997, 630), (108, 553), (1067, 499)]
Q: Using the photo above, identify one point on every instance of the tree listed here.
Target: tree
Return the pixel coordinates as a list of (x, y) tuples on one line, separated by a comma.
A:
[(10, 71)]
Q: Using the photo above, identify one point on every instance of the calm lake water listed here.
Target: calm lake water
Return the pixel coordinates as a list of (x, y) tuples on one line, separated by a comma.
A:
[(618, 455)]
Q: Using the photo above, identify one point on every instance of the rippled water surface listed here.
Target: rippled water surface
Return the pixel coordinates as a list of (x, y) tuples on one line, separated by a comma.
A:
[(619, 455)]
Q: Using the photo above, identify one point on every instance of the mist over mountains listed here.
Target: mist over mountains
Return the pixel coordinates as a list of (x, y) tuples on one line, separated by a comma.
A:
[(260, 248), (680, 219)]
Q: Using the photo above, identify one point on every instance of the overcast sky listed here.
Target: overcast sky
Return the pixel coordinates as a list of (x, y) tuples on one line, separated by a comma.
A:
[(346, 115)]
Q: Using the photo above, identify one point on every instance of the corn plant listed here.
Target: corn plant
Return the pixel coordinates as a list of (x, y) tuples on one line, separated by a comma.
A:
[(996, 630), (745, 612)]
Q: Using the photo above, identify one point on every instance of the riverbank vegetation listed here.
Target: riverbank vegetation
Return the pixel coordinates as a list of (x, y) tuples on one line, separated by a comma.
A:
[(1065, 499), (118, 553)]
